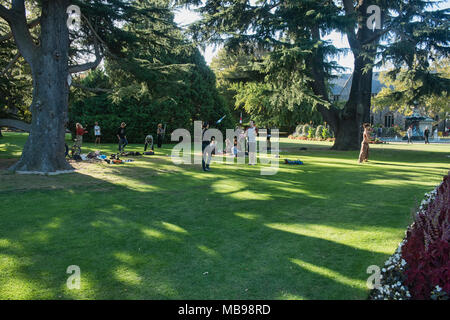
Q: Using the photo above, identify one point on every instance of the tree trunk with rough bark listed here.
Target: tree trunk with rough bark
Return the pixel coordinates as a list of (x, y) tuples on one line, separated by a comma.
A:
[(348, 122), (44, 149), (357, 109)]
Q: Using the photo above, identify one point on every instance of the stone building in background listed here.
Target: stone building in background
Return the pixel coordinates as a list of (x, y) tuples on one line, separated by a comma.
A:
[(341, 92)]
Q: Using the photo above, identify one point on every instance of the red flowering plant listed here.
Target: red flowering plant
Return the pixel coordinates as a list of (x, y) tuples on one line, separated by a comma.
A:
[(427, 249)]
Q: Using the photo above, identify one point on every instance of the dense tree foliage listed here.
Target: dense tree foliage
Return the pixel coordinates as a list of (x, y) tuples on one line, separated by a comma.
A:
[(400, 94), (112, 96), (164, 79), (243, 82)]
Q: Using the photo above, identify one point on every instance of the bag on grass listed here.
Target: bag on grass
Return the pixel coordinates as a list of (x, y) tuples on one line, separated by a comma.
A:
[(295, 162)]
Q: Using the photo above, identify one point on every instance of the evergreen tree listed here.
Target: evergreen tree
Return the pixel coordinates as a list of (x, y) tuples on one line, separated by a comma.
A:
[(162, 80), (302, 62), (56, 52), (242, 81)]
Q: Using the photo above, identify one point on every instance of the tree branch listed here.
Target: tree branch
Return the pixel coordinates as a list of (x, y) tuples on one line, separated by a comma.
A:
[(5, 13), (351, 35), (17, 21), (97, 90), (89, 65), (31, 25), (18, 6), (10, 64), (105, 45), (11, 123)]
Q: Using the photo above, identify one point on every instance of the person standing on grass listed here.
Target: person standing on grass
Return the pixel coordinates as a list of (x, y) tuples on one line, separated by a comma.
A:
[(251, 136), (269, 135), (364, 154), (122, 135), (148, 142), (426, 135), (235, 147), (160, 133), (80, 131), (206, 150), (409, 133), (97, 133)]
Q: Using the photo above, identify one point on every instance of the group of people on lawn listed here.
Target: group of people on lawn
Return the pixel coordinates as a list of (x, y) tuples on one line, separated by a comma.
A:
[(364, 154), (121, 135), (208, 147), (234, 149), (426, 134)]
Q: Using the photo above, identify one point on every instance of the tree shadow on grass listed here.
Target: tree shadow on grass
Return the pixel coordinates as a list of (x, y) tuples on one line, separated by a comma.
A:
[(230, 235), (127, 252), (153, 230)]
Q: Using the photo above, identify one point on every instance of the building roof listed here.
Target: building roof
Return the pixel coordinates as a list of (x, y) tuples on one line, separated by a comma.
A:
[(341, 85)]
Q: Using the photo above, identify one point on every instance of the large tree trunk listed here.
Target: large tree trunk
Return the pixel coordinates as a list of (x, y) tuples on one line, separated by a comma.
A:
[(357, 109), (44, 150)]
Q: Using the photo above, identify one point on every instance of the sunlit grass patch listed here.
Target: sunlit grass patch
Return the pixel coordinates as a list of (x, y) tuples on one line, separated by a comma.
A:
[(151, 229)]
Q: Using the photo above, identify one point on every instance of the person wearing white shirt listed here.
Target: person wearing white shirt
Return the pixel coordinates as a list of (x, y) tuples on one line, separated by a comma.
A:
[(97, 133), (409, 133), (251, 137)]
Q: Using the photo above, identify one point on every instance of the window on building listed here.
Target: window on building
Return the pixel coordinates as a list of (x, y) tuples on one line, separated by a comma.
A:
[(389, 120)]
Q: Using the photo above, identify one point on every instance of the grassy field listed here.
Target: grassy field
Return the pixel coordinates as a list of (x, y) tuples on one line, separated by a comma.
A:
[(153, 230)]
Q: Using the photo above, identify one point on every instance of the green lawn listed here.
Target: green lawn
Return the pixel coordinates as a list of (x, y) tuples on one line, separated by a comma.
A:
[(154, 230)]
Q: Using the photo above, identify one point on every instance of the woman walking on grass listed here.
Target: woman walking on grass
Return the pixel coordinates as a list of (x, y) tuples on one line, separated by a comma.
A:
[(364, 154)]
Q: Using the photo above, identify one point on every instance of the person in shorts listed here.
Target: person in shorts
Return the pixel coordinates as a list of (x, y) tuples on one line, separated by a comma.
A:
[(97, 133)]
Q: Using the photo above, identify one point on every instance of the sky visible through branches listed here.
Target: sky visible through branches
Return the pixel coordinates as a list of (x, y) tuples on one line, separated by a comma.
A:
[(184, 17)]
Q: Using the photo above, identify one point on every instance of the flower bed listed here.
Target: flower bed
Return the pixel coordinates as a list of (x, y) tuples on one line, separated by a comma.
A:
[(420, 268), (311, 139), (377, 141)]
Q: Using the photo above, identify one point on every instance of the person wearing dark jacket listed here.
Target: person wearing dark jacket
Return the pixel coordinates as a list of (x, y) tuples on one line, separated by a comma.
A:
[(426, 135), (206, 152), (122, 135)]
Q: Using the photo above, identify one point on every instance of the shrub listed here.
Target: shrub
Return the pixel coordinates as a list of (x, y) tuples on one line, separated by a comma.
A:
[(311, 132), (319, 132), (305, 131), (427, 249), (325, 133)]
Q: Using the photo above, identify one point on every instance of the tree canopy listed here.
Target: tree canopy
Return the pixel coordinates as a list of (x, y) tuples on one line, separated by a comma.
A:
[(400, 93), (245, 84)]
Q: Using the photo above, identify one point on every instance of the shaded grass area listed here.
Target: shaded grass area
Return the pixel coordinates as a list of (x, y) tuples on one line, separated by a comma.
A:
[(154, 230)]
